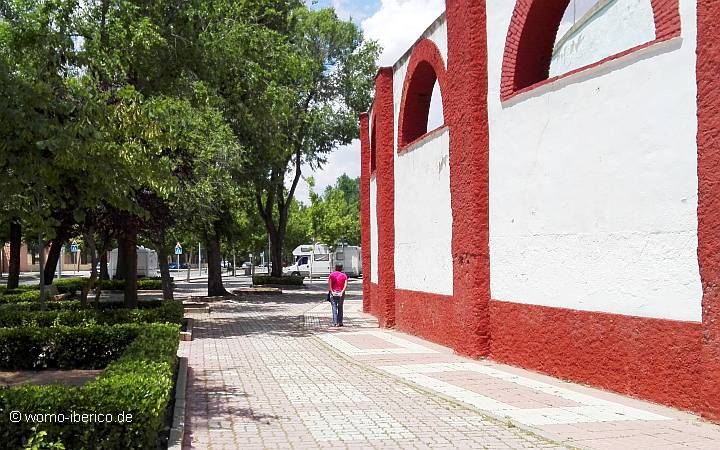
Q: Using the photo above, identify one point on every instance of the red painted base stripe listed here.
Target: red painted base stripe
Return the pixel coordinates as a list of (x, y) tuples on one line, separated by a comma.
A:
[(429, 316), (657, 360)]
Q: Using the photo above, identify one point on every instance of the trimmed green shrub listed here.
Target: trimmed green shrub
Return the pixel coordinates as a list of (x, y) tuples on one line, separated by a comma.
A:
[(165, 312), (70, 285), (73, 305), (139, 384), (144, 284), (22, 296), (22, 287), (61, 347), (261, 280)]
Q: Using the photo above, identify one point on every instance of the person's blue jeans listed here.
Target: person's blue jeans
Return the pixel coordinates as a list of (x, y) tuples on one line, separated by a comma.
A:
[(337, 310)]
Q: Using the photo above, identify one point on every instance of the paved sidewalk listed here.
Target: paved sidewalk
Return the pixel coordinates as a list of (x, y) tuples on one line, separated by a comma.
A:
[(268, 373), (260, 379)]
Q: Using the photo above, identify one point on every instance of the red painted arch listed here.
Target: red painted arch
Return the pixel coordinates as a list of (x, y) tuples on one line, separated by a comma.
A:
[(531, 36), (425, 67)]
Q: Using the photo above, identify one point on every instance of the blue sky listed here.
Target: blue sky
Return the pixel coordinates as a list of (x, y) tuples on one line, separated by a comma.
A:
[(357, 9)]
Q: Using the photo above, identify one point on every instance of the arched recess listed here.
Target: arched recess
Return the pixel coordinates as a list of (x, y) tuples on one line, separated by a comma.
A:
[(426, 66), (532, 33)]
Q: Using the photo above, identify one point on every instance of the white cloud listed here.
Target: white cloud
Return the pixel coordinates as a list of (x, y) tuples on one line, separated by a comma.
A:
[(398, 23)]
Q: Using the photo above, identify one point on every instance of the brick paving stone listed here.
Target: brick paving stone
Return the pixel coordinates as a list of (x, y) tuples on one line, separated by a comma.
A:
[(260, 377)]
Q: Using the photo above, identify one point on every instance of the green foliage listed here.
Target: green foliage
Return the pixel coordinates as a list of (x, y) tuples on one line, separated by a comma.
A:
[(139, 383), (143, 284), (84, 347), (15, 296), (284, 281), (75, 285), (167, 312), (19, 289), (71, 305), (38, 441), (70, 285), (335, 215)]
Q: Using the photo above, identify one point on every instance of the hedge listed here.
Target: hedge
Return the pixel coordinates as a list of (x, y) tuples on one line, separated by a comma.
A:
[(165, 312), (74, 285), (139, 383), (10, 296), (61, 347), (17, 290), (283, 281), (73, 305)]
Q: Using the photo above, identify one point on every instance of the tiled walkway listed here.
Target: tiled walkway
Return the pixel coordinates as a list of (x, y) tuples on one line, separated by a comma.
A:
[(267, 373)]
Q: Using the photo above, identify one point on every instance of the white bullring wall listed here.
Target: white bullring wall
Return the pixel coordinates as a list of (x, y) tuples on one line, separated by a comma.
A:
[(373, 231), (423, 217), (593, 185), (423, 213), (617, 26)]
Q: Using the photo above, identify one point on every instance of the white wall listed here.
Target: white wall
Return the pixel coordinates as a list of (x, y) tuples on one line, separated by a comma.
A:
[(423, 214), (373, 231), (617, 26), (593, 183), (423, 217)]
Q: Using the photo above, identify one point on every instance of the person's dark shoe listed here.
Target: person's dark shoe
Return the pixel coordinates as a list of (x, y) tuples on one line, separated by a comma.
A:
[(341, 325)]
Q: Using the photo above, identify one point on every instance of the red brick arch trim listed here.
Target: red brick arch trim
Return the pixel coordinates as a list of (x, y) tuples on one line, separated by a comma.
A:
[(425, 67), (531, 36)]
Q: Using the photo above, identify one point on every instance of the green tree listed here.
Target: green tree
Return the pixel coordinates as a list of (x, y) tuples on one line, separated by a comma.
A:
[(292, 93), (335, 215)]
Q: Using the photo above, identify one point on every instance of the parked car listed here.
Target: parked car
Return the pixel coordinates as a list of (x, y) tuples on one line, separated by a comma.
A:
[(174, 266)]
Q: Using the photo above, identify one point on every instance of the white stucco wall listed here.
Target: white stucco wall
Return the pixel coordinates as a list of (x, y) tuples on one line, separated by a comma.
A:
[(616, 26), (423, 217), (593, 183), (423, 214), (373, 231)]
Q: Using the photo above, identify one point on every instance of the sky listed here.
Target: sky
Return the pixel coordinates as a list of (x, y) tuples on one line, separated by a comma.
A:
[(395, 24)]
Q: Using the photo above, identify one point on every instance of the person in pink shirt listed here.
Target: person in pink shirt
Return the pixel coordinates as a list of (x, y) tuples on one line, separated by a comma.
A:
[(337, 284)]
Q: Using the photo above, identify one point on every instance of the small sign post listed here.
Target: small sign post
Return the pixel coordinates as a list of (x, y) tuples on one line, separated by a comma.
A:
[(178, 252), (75, 249)]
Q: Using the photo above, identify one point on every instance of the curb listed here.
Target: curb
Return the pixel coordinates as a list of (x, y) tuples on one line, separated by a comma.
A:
[(177, 432)]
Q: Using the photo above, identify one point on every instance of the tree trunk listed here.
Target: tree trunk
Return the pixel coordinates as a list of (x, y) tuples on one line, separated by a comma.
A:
[(276, 245), (53, 258), (167, 281), (104, 273), (15, 244), (41, 245), (128, 244), (90, 242), (121, 265), (215, 282)]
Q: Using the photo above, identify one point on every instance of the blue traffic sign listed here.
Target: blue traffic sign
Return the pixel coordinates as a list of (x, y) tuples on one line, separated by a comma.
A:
[(74, 248), (178, 249)]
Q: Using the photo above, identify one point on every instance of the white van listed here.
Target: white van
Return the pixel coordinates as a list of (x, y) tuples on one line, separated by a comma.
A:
[(317, 261), (147, 262), (321, 261), (350, 256)]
